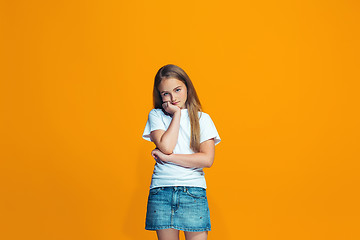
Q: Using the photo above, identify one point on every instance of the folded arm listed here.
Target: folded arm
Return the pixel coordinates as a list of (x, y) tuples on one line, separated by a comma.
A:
[(203, 159)]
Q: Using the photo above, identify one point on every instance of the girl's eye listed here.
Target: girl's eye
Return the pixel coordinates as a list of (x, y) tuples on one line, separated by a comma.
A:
[(164, 94), (178, 89)]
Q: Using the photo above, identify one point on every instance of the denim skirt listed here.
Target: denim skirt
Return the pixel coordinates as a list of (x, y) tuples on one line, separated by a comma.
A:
[(179, 207)]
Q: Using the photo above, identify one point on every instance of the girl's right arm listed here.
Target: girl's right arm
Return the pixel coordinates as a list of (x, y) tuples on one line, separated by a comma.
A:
[(166, 141)]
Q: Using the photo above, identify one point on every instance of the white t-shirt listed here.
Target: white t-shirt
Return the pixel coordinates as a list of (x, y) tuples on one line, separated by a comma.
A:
[(171, 174)]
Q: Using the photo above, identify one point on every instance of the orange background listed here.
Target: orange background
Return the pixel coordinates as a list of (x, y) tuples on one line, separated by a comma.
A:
[(280, 80)]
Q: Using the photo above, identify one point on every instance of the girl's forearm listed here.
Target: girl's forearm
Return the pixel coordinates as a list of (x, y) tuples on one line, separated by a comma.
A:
[(196, 160), (169, 139)]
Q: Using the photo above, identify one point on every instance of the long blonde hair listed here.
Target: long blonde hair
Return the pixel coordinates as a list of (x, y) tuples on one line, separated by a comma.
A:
[(192, 103)]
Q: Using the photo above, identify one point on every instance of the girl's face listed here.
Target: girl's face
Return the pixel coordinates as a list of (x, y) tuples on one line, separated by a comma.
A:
[(173, 91)]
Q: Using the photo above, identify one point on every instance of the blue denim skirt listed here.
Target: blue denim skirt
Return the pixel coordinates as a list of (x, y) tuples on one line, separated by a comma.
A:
[(182, 208)]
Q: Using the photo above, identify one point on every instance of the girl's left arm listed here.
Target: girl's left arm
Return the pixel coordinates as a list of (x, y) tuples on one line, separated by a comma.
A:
[(203, 159)]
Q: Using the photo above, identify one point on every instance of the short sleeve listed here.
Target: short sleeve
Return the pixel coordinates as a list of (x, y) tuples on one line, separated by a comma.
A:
[(208, 129), (154, 122)]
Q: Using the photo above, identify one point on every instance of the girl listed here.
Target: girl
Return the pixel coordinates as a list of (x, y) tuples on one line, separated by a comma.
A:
[(185, 139)]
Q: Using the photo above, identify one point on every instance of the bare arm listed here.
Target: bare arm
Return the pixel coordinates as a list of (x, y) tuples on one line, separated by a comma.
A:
[(203, 159), (166, 140)]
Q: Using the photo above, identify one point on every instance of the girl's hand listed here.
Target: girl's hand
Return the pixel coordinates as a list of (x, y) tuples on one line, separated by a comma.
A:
[(170, 108), (159, 156)]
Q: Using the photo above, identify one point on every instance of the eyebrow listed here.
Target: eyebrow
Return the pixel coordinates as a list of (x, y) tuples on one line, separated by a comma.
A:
[(166, 91)]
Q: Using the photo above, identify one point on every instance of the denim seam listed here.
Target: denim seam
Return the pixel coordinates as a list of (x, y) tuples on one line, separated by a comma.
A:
[(179, 228)]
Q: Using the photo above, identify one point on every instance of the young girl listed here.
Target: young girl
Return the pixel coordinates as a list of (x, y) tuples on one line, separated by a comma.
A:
[(185, 139)]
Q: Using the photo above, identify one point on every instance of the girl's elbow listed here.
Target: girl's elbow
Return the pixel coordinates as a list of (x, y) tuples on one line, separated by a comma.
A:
[(166, 150), (209, 163)]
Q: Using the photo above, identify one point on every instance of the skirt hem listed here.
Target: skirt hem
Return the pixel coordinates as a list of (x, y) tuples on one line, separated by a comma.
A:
[(179, 228)]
